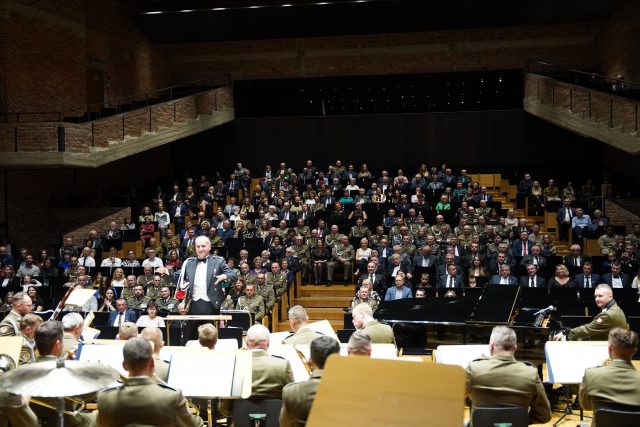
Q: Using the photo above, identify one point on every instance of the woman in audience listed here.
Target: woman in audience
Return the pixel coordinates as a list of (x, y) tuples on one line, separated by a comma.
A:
[(162, 218), (127, 224), (151, 318), (443, 204), (107, 299), (346, 198), (44, 255), (378, 197), (173, 256), (364, 172), (118, 278), (511, 221), (547, 249), (131, 260), (416, 196), (263, 230), (271, 214), (48, 271), (235, 292), (363, 254), (477, 269), (235, 215), (146, 212), (9, 279), (276, 250), (561, 278), (568, 192), (8, 303), (403, 206), (493, 218), (636, 281), (319, 257), (190, 197), (206, 203), (396, 197), (358, 212), (241, 231), (38, 302), (147, 228)]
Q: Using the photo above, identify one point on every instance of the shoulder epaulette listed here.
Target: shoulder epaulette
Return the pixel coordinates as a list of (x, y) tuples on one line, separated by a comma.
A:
[(279, 357), (288, 336), (165, 385)]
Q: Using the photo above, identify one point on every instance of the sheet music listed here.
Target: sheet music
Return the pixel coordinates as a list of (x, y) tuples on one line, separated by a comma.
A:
[(79, 297), (288, 352), (461, 355), (188, 371), (378, 351), (567, 360), (106, 354)]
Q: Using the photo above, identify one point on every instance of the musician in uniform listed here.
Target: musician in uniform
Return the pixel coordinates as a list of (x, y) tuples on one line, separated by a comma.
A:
[(359, 344), (73, 324), (21, 306), (299, 320), (28, 326), (252, 303), (363, 321), (617, 382), (598, 329), (161, 367), (297, 398), (503, 381), (269, 373), (14, 409), (140, 398)]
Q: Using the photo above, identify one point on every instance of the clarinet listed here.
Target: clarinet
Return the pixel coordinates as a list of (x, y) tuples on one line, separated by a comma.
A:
[(60, 306)]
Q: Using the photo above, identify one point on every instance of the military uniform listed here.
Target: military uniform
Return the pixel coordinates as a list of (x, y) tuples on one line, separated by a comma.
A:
[(440, 231), (143, 280), (282, 232), (126, 293), (359, 231), (303, 231), (409, 249), (302, 253), (371, 302), (378, 332), (161, 368), (633, 239), (166, 242), (415, 228), (333, 239), (268, 295), (169, 305), (376, 238), (617, 382), (279, 283), (269, 376), (10, 325), (502, 380), (479, 228), (249, 279), (143, 400), (137, 304), (598, 329), (607, 244), (27, 351), (297, 399), (69, 343), (254, 305), (304, 335), (14, 412), (153, 292), (216, 242), (341, 251)]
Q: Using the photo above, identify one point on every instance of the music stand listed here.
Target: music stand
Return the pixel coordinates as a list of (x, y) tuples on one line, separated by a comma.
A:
[(213, 317), (344, 396)]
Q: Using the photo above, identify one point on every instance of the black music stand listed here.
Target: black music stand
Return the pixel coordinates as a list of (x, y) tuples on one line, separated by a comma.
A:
[(496, 305)]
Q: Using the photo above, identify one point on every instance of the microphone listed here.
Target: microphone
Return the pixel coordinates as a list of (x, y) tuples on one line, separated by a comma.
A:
[(545, 311)]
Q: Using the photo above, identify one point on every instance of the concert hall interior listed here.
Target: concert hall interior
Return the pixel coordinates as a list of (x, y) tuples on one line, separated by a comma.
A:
[(253, 186)]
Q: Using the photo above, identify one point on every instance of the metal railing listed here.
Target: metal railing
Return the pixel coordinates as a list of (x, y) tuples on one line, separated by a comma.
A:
[(109, 107), (618, 86)]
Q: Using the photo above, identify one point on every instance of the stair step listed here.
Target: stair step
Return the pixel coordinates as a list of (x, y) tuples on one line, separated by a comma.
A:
[(337, 291), (317, 313), (336, 302)]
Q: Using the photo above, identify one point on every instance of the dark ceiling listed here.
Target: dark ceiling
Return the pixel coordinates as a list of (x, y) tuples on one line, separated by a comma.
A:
[(177, 21)]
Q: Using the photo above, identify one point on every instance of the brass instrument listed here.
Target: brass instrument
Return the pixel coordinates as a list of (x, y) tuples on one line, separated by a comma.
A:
[(80, 405), (305, 362)]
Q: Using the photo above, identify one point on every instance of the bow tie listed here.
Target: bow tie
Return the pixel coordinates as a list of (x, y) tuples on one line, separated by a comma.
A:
[(202, 260), (616, 277)]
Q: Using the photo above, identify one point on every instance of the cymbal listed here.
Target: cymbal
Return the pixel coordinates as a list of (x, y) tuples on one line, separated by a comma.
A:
[(58, 378)]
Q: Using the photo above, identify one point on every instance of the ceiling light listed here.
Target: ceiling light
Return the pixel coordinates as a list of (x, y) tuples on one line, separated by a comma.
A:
[(322, 3), (286, 5), (156, 12), (254, 7), (186, 11), (219, 8)]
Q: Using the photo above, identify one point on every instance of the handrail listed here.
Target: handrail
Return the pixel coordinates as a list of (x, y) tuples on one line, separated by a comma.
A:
[(224, 79), (590, 78)]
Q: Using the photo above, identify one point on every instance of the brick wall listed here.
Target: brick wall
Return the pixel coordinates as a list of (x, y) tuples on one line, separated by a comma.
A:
[(437, 51), (46, 47), (74, 223), (619, 215)]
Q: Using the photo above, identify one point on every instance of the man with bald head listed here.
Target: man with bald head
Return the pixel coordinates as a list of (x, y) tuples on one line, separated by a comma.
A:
[(299, 320), (154, 336), (598, 329)]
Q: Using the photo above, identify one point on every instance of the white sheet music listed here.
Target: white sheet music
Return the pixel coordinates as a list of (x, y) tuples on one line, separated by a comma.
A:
[(108, 354), (206, 375), (460, 355), (567, 360), (288, 352)]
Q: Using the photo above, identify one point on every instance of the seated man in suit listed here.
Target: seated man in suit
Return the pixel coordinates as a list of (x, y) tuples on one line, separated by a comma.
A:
[(376, 279), (587, 279), (616, 279), (505, 277), (121, 315), (522, 246), (399, 291), (503, 381), (535, 258), (615, 383), (532, 280), (452, 279)]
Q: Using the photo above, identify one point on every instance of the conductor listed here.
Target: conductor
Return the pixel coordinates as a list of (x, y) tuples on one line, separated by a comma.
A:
[(204, 273), (598, 329)]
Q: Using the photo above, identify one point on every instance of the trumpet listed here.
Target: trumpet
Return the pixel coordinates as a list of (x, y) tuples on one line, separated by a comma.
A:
[(79, 404)]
